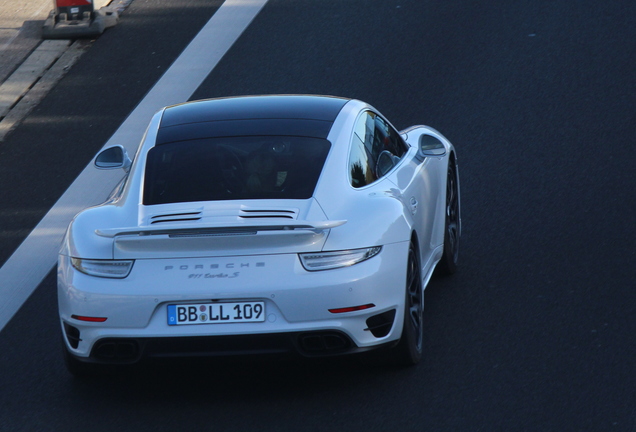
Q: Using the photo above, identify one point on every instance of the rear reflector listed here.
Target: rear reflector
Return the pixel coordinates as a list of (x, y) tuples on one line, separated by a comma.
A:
[(352, 308), (89, 319)]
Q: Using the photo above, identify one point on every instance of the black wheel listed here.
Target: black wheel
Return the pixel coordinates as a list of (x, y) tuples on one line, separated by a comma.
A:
[(409, 350), (448, 264)]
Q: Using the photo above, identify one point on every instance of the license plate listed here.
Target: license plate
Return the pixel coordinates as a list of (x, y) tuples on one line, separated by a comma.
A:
[(216, 313)]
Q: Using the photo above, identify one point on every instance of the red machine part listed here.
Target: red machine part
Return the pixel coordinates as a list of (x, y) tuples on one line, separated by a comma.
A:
[(68, 3)]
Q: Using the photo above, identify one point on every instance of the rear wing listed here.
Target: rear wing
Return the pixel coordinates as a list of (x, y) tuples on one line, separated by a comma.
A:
[(183, 240), (225, 229)]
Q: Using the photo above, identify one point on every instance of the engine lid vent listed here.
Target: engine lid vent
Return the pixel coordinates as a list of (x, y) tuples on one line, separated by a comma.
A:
[(268, 213), (176, 217)]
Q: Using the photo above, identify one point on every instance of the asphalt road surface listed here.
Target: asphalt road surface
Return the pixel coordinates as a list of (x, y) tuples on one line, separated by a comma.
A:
[(536, 330)]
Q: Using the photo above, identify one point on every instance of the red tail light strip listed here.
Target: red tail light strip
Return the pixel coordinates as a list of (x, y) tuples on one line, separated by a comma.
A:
[(352, 308), (89, 319)]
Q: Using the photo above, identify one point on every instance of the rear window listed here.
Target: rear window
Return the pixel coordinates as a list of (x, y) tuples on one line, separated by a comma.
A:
[(233, 168)]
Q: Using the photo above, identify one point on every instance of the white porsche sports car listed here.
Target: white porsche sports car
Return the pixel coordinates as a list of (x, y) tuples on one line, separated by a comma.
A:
[(262, 224)]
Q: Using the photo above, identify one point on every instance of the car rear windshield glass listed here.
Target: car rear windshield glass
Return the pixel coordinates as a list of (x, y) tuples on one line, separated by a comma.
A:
[(233, 168)]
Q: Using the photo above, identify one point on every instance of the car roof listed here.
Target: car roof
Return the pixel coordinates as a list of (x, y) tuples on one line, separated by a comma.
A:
[(295, 115)]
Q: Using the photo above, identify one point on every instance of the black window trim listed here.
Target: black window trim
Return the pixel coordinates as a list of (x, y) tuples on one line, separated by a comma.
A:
[(403, 143)]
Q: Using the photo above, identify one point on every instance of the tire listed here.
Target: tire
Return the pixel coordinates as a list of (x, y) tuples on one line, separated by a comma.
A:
[(448, 263), (408, 352)]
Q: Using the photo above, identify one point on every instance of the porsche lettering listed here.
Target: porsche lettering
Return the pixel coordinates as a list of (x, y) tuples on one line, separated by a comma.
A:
[(214, 266)]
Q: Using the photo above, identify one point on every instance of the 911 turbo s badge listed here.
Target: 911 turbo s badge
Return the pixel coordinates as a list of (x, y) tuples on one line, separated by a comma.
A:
[(213, 276)]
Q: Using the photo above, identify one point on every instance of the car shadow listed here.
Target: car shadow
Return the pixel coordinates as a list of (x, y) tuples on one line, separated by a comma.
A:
[(234, 378)]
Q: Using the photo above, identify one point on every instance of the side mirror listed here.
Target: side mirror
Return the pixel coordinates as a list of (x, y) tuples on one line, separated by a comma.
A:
[(431, 146), (113, 157)]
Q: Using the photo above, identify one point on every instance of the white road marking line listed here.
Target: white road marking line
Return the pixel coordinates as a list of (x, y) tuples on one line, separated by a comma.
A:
[(32, 261)]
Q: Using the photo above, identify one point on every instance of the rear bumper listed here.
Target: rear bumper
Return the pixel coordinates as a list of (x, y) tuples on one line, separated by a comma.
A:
[(297, 305), (313, 344)]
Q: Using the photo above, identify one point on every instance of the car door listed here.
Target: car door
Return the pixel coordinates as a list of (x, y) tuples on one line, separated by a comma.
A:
[(378, 152), (418, 183)]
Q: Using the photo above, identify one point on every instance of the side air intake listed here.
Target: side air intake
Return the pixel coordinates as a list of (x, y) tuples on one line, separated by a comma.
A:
[(380, 325)]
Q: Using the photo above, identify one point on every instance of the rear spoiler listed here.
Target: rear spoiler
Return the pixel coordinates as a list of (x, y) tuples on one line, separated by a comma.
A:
[(225, 229)]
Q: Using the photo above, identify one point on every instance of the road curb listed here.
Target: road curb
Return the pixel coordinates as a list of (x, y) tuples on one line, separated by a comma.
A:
[(42, 69), (45, 82)]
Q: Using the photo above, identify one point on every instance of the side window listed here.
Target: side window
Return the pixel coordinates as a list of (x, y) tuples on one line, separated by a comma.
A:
[(375, 149)]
